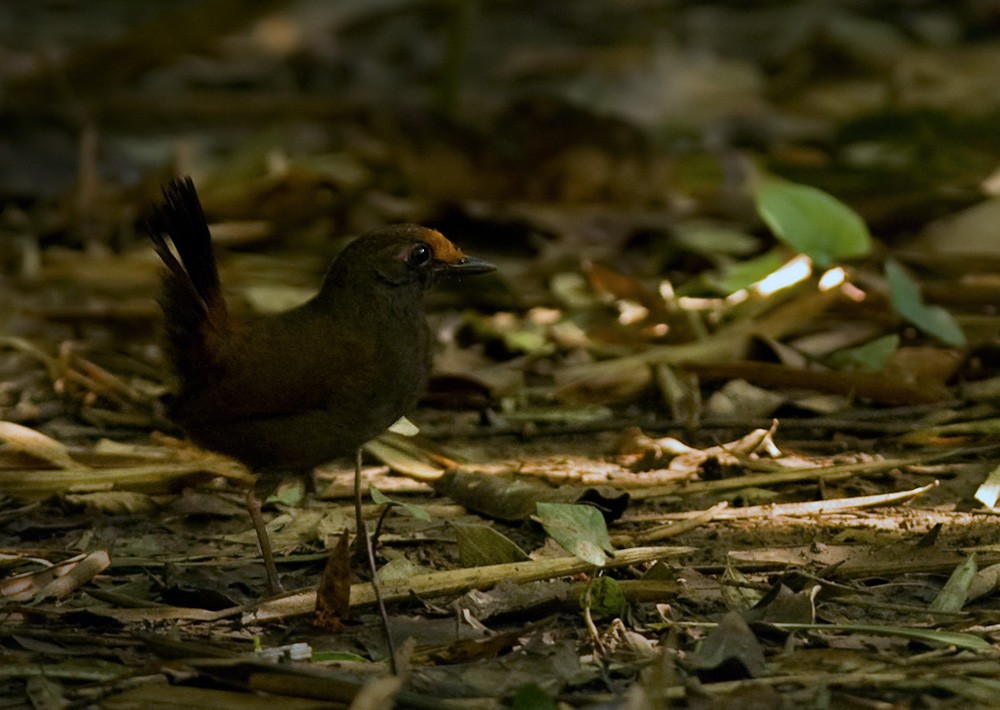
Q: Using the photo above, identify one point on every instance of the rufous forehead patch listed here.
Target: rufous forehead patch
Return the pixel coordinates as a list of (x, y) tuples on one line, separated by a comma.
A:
[(443, 249)]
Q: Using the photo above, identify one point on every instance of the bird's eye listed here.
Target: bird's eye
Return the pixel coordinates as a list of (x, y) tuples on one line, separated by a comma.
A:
[(420, 255)]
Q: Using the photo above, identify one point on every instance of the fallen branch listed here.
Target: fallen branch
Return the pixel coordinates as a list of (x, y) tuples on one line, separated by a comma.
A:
[(457, 581)]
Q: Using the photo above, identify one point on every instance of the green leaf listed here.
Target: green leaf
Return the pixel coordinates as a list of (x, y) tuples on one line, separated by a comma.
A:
[(290, 495), (418, 512), (869, 356), (480, 545), (604, 597), (812, 222), (579, 528), (732, 277), (907, 302)]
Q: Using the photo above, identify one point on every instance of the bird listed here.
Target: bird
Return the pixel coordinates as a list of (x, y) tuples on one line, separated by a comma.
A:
[(290, 391)]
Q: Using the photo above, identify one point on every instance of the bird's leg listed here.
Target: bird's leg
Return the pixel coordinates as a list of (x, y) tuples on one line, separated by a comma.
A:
[(362, 532), (253, 507)]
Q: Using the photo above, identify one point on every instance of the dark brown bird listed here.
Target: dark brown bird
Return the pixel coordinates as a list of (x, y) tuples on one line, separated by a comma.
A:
[(291, 391)]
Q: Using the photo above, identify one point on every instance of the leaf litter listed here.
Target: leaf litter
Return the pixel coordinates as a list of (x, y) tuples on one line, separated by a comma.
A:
[(764, 407)]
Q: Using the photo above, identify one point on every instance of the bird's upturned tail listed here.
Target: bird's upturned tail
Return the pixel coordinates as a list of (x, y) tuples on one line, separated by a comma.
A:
[(193, 306)]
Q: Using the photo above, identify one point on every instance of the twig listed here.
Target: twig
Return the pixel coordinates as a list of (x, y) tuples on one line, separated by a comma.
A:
[(662, 532), (814, 507), (362, 531), (461, 580), (827, 473), (264, 541)]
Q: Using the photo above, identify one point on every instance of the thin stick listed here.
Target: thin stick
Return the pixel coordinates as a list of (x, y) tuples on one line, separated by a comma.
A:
[(253, 507), (362, 532)]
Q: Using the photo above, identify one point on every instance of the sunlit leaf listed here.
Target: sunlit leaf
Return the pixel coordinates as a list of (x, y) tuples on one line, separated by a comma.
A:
[(578, 528), (812, 222), (735, 276), (989, 491), (32, 442), (399, 454), (404, 427)]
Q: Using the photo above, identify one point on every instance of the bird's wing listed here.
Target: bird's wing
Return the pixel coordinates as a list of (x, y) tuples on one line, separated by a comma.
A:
[(268, 370)]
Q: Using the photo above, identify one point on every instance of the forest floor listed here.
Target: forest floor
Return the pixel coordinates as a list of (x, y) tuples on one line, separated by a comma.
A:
[(722, 430)]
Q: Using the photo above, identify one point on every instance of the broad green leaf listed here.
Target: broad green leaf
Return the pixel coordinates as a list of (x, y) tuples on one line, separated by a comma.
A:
[(812, 222), (908, 303), (579, 528)]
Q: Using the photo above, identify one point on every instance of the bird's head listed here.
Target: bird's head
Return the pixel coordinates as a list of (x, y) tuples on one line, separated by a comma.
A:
[(403, 255)]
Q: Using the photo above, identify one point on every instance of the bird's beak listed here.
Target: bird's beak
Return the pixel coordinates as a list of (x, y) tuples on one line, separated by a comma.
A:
[(467, 266)]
